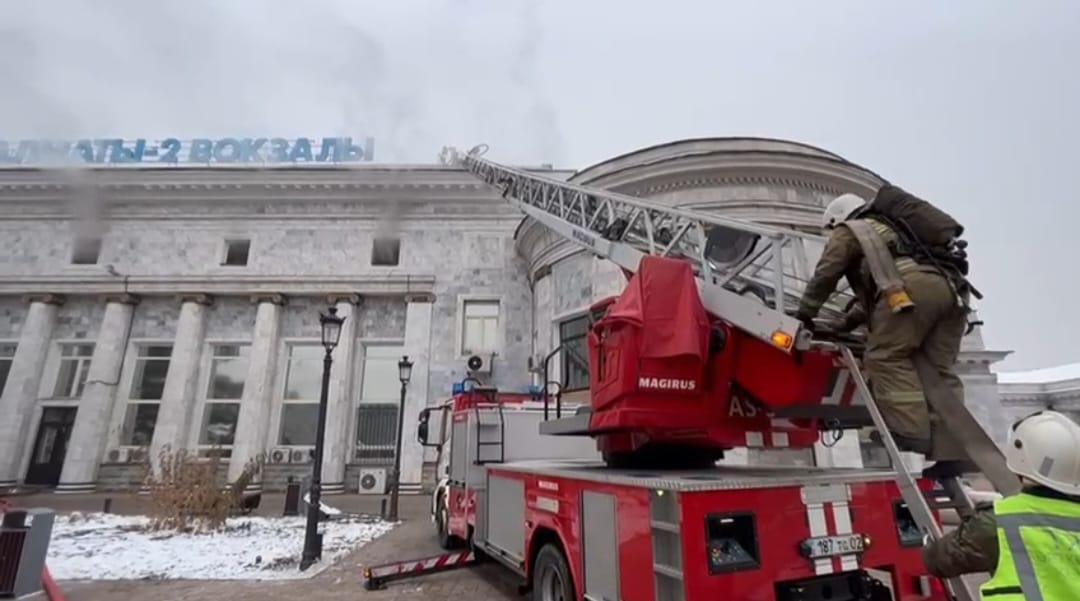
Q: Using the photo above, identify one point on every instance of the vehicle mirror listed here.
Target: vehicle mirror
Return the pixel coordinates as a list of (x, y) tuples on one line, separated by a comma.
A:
[(422, 427)]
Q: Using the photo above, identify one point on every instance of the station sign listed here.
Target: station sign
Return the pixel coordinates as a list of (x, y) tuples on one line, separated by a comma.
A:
[(172, 151)]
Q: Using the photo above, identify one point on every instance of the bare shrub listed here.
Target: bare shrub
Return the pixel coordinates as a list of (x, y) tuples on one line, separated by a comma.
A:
[(187, 492)]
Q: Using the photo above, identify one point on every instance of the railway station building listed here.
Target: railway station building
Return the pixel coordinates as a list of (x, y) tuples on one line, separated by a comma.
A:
[(145, 306)]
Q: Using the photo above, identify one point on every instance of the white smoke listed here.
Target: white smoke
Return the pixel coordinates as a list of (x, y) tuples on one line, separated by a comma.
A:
[(412, 77)]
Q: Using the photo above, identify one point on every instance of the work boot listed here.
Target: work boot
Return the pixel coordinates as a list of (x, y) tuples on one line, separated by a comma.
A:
[(922, 446), (949, 469)]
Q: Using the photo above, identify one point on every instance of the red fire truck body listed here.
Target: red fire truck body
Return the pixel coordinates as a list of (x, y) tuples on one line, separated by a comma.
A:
[(728, 532)]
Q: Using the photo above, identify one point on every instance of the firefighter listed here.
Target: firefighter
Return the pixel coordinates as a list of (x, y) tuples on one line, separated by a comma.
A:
[(864, 249), (1029, 542)]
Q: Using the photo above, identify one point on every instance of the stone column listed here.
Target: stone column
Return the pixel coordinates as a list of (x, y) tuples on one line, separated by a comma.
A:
[(91, 430), (21, 391), (339, 410), (254, 423), (543, 328), (181, 382), (418, 348)]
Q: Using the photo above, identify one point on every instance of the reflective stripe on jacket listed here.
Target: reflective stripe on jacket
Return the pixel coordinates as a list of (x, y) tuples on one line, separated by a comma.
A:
[(1039, 550)]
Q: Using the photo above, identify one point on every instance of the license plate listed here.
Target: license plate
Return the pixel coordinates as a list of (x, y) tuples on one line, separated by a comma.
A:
[(829, 546)]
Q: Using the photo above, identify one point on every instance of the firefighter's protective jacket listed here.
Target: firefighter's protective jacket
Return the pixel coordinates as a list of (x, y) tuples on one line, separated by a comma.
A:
[(845, 256), (840, 257), (1027, 541)]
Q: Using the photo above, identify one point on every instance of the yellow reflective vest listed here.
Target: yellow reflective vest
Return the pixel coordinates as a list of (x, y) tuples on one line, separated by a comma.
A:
[(1039, 550)]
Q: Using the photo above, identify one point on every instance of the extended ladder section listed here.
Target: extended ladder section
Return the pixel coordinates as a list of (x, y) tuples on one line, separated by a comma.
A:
[(743, 268)]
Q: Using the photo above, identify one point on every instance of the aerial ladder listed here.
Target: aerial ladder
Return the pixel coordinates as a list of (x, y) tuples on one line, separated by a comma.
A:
[(751, 275)]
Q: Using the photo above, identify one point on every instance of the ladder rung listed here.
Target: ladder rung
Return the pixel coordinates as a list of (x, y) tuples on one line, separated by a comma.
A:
[(950, 504), (623, 229)]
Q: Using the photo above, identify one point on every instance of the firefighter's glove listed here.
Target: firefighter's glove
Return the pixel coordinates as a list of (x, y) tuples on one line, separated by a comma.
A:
[(807, 321)]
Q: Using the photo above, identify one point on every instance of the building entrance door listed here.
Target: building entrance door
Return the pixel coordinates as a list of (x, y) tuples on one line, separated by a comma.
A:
[(50, 446)]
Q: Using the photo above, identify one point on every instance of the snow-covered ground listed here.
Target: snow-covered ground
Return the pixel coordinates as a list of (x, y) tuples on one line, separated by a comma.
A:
[(99, 546)]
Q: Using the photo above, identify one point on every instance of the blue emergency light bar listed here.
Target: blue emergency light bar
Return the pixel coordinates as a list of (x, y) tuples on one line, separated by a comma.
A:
[(531, 389)]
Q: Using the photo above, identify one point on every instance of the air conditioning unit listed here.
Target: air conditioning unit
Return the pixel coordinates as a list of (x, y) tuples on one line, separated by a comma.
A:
[(372, 481), (278, 455), (138, 455), (479, 364), (119, 455), (301, 456)]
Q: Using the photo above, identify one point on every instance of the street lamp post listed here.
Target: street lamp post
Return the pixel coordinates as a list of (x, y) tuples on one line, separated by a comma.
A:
[(404, 374), (331, 333)]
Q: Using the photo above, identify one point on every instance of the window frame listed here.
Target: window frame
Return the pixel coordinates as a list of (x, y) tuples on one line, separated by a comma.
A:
[(500, 326), (375, 240), (57, 365), (223, 255), (203, 401), (556, 373), (286, 344), (564, 356), (127, 381), (360, 355), (15, 344), (74, 247)]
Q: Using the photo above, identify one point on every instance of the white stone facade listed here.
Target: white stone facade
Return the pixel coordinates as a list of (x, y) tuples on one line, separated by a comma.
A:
[(1057, 388), (160, 283), (134, 351)]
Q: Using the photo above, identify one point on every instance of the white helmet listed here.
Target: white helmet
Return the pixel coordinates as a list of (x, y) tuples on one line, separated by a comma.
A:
[(841, 209), (1045, 447)]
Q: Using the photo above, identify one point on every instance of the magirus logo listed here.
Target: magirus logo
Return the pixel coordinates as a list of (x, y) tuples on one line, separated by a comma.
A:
[(666, 383)]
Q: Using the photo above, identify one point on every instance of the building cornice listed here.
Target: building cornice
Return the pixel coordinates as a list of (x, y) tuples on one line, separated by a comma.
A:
[(1042, 398), (1041, 389), (982, 356), (385, 177), (735, 167), (787, 170), (221, 285), (728, 146), (491, 215)]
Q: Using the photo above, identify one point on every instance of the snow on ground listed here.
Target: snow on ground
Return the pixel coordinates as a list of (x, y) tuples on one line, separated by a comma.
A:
[(99, 546)]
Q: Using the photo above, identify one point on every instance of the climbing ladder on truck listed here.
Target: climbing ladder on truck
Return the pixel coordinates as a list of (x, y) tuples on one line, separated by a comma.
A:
[(750, 275)]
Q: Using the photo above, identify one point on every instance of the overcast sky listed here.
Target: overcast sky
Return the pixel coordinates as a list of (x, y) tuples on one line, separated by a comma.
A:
[(972, 104)]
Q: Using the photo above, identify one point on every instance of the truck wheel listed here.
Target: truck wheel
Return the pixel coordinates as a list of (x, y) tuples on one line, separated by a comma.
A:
[(551, 576), (442, 524)]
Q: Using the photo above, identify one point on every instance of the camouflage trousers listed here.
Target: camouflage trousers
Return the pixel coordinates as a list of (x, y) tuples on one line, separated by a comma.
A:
[(934, 328)]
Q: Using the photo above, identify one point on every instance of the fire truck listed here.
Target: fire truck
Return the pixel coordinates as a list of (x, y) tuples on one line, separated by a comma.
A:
[(627, 496)]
